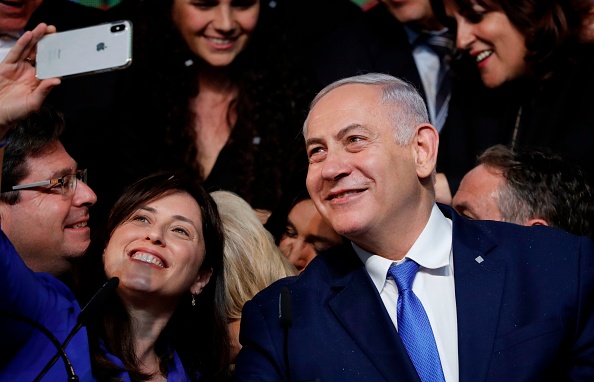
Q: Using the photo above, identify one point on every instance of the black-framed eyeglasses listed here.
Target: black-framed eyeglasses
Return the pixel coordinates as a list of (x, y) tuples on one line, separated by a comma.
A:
[(67, 183)]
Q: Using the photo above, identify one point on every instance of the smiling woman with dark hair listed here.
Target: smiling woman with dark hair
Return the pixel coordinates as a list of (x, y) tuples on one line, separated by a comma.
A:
[(165, 321), (537, 57)]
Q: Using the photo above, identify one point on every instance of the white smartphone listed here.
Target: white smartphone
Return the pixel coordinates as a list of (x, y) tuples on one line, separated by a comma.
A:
[(89, 50)]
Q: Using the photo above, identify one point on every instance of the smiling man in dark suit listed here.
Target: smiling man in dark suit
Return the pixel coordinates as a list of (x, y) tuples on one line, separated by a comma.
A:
[(491, 301)]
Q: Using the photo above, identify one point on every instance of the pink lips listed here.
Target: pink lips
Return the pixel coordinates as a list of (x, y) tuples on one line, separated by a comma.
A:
[(343, 194), (221, 43)]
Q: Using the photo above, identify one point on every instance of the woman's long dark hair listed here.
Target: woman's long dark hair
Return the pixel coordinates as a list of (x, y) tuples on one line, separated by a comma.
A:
[(198, 333)]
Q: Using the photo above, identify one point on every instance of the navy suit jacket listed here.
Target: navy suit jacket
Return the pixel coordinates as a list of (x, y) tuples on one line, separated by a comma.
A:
[(525, 313)]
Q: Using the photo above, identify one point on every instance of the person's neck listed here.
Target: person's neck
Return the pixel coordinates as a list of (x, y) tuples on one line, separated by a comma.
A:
[(217, 80), (147, 325), (394, 240)]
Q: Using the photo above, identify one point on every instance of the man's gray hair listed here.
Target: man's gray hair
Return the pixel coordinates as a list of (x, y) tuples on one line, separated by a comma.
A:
[(409, 109)]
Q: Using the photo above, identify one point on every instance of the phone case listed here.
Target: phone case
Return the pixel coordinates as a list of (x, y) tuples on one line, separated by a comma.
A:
[(89, 50)]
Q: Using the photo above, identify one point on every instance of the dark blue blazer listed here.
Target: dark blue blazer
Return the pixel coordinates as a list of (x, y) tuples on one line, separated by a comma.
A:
[(525, 313)]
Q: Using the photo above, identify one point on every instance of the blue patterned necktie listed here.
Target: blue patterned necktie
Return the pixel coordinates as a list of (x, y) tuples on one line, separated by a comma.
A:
[(443, 46), (413, 325)]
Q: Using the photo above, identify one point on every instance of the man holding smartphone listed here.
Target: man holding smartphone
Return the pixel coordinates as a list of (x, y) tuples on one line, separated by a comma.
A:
[(47, 223), (84, 101)]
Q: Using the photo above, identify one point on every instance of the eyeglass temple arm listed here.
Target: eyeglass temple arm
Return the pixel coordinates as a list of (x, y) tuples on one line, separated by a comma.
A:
[(36, 184)]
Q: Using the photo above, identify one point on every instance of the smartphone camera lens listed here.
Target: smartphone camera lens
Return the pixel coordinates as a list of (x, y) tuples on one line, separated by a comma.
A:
[(117, 28)]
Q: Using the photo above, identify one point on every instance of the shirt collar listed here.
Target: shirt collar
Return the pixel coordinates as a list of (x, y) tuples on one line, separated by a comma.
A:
[(431, 249), (10, 35), (7, 40)]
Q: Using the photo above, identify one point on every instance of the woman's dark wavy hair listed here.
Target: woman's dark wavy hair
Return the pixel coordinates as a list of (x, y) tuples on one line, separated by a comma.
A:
[(274, 93), (198, 333), (552, 28)]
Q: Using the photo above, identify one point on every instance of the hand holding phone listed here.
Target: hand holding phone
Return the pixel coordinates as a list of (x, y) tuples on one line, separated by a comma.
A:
[(20, 92), (89, 50)]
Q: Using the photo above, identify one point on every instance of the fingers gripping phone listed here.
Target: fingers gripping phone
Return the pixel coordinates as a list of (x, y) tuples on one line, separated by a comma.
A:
[(89, 50)]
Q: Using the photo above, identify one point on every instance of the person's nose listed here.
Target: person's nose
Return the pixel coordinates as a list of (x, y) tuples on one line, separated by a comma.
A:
[(464, 35), (289, 249), (84, 195), (224, 20), (307, 252), (154, 234), (286, 247), (302, 253), (294, 249), (335, 165)]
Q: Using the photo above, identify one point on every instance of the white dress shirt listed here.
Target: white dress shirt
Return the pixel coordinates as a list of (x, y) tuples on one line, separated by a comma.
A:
[(428, 64), (433, 285)]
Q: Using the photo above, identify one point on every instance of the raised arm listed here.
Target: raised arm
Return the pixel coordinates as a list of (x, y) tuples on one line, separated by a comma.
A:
[(20, 91)]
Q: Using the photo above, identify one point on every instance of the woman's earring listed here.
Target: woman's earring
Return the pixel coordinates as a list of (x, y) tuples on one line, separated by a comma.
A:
[(193, 300)]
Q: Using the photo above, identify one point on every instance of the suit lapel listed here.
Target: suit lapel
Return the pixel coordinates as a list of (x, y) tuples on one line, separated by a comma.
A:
[(479, 282), (355, 302)]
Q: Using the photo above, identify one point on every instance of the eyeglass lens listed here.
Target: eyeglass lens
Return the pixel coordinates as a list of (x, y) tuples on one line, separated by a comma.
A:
[(69, 181)]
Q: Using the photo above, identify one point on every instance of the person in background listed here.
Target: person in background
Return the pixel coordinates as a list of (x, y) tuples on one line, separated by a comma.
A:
[(416, 292), (527, 186), (299, 230), (536, 59), (252, 259), (226, 99), (164, 244), (47, 222)]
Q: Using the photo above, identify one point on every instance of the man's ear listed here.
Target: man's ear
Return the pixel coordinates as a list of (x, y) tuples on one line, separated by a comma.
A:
[(535, 221), (425, 144), (201, 281)]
